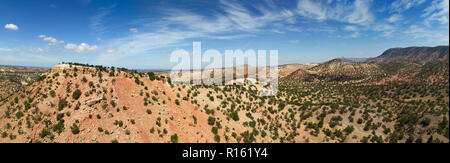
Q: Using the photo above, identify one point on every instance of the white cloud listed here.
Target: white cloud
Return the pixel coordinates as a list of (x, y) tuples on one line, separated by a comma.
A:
[(385, 29), (6, 49), (353, 29), (434, 36), (361, 13), (111, 50), (278, 31), (11, 27), (357, 12), (403, 5), (312, 10), (438, 11), (350, 28), (52, 41), (355, 35), (240, 18), (177, 25), (395, 18), (134, 30), (82, 48)]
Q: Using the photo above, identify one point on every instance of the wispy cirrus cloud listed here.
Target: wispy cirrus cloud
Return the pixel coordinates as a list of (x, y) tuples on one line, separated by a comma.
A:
[(176, 25), (400, 6), (395, 18), (354, 12), (437, 12), (99, 20), (6, 49), (430, 36)]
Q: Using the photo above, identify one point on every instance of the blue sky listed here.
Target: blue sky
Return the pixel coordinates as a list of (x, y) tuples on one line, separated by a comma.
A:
[(142, 34)]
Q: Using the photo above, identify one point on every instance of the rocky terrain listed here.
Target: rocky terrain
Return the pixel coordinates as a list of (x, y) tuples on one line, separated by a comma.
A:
[(335, 101), (14, 78)]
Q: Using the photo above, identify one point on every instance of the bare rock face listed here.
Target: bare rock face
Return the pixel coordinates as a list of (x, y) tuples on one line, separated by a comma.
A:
[(92, 101)]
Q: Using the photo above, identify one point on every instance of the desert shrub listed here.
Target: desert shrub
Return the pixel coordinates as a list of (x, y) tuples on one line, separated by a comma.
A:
[(195, 119), (74, 128), (211, 120), (62, 104), (52, 93), (152, 130), (4, 134), (349, 129), (113, 103), (425, 122), (214, 130), (84, 80), (59, 127), (19, 114), (151, 76), (235, 116), (174, 138), (44, 132), (76, 94), (217, 138)]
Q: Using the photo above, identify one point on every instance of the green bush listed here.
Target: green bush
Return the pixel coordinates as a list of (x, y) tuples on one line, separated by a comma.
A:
[(62, 104), (19, 114), (217, 138), (59, 127), (211, 120), (44, 132), (214, 130), (235, 116), (174, 138), (75, 129), (76, 94)]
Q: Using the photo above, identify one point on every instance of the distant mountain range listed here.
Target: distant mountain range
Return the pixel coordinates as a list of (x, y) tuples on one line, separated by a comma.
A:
[(420, 55), (396, 61)]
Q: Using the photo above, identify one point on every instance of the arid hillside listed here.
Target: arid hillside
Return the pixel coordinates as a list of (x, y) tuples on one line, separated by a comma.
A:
[(14, 78), (331, 102), (79, 103)]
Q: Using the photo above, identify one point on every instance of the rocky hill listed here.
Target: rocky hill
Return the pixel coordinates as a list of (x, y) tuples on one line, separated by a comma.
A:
[(400, 60), (83, 103), (335, 70), (419, 55)]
